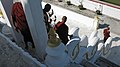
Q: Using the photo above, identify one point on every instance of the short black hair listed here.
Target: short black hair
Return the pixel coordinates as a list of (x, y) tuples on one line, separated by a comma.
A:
[(65, 18), (47, 7)]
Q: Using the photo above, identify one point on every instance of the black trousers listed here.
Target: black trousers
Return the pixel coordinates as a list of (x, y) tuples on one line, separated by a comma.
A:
[(27, 37), (64, 38)]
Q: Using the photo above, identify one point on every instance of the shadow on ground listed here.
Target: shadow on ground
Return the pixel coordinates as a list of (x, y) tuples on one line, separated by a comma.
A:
[(101, 26), (116, 38)]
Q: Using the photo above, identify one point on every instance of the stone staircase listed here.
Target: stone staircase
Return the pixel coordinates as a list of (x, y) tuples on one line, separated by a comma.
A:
[(100, 62), (103, 62)]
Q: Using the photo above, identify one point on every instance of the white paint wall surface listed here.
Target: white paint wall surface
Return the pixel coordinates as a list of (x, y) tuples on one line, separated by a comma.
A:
[(107, 10)]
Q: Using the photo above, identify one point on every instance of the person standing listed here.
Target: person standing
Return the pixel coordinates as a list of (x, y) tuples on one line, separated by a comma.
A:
[(62, 30), (20, 23), (47, 16), (106, 33)]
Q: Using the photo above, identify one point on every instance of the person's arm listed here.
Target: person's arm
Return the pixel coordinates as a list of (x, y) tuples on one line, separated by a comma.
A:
[(51, 13), (70, 36), (55, 27)]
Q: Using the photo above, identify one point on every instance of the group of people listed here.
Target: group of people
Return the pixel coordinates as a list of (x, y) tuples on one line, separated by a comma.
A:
[(61, 28), (20, 24)]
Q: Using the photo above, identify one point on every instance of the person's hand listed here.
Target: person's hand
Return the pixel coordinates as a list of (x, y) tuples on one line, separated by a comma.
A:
[(70, 36), (52, 12), (55, 19), (50, 20)]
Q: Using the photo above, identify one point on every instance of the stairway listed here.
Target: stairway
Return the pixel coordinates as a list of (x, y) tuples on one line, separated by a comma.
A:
[(103, 62), (100, 62)]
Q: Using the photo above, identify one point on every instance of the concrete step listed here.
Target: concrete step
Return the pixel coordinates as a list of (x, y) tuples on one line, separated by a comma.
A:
[(103, 62), (86, 63)]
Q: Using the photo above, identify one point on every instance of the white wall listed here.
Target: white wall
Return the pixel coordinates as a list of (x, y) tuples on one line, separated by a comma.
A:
[(107, 10)]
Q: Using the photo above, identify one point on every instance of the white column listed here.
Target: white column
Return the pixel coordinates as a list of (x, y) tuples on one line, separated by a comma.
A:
[(34, 14)]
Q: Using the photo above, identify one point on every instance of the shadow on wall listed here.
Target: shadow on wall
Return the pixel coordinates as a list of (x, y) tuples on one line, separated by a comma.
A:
[(101, 26)]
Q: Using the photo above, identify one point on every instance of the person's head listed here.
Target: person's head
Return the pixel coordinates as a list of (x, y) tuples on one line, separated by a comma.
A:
[(47, 7), (64, 19)]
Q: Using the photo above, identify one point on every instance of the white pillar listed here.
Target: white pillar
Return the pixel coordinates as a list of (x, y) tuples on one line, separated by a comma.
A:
[(34, 15)]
